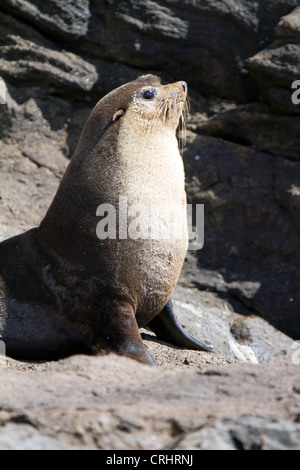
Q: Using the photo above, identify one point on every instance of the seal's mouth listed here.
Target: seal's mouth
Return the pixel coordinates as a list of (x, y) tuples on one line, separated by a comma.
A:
[(171, 106), (173, 109)]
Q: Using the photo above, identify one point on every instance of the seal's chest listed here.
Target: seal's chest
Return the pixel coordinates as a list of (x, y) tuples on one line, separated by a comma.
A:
[(150, 164)]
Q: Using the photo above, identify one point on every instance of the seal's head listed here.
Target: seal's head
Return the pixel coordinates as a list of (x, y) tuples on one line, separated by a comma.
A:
[(150, 117), (154, 104), (145, 100), (149, 101)]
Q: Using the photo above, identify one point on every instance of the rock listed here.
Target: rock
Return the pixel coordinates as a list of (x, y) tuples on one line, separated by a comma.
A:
[(248, 433), (23, 437), (65, 18), (32, 61), (32, 156), (112, 402), (146, 34), (246, 193), (277, 66), (289, 25), (287, 189), (234, 337), (153, 32), (26, 59), (254, 125)]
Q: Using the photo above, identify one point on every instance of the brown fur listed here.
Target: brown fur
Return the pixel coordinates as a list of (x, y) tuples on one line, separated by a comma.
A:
[(62, 290)]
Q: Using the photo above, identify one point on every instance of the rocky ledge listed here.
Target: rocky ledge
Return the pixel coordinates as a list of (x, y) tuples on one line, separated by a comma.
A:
[(245, 395), (115, 403)]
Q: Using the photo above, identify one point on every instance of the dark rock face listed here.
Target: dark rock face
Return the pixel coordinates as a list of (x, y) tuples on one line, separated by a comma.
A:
[(251, 232), (239, 58), (62, 17), (277, 66)]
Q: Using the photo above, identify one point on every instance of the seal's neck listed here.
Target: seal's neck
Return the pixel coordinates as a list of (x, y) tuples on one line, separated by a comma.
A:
[(141, 163), (150, 163)]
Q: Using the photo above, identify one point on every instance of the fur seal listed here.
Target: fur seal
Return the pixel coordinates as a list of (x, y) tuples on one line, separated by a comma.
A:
[(64, 290)]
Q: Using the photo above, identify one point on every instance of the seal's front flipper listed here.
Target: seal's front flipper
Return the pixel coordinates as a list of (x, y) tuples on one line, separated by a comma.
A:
[(166, 327), (117, 331)]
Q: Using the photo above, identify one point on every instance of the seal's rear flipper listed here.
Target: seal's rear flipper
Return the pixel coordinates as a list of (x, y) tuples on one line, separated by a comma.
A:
[(116, 331), (166, 327)]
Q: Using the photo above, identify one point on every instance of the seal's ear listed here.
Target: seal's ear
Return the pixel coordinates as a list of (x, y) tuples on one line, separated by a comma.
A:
[(118, 114)]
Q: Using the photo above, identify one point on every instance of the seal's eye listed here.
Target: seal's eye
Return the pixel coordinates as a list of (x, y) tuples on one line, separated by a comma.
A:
[(148, 94)]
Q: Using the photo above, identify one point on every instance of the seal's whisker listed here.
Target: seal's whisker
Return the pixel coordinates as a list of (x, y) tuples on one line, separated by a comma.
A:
[(167, 106), (188, 104), (183, 125), (153, 122), (155, 117), (162, 110), (181, 133)]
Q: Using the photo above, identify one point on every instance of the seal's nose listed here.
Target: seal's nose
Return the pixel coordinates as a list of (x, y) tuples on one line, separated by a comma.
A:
[(184, 86)]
